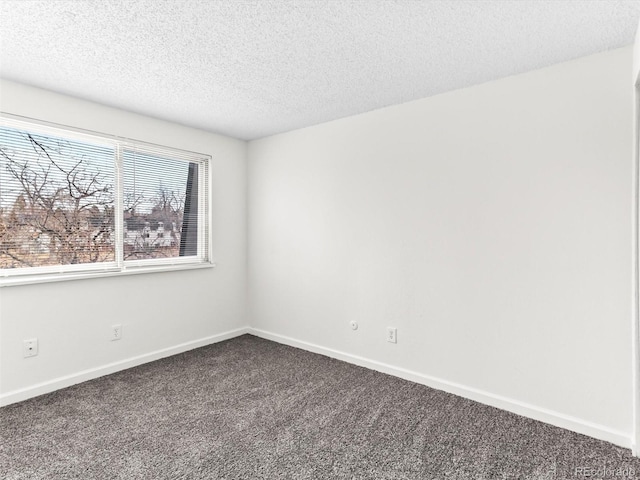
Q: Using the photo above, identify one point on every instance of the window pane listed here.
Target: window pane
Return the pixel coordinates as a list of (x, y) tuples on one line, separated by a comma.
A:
[(56, 200), (159, 206)]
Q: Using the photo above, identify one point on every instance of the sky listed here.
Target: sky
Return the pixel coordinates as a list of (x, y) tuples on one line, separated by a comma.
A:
[(143, 174)]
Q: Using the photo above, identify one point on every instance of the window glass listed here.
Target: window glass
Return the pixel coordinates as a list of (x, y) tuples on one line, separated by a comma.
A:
[(154, 198), (56, 200), (72, 201)]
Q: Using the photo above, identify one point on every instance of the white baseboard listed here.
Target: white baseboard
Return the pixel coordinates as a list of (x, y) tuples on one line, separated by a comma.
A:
[(84, 375), (515, 406), (521, 408)]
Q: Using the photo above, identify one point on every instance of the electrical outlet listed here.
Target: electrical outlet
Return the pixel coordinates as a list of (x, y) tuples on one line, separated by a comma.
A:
[(392, 335), (30, 347), (116, 332)]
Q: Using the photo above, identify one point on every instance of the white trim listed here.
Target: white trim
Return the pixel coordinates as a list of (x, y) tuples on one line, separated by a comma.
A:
[(635, 326), (515, 406), (51, 128), (85, 375), (29, 280), (119, 209), (120, 145)]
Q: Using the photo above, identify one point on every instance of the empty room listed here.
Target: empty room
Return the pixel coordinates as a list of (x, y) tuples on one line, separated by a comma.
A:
[(319, 239)]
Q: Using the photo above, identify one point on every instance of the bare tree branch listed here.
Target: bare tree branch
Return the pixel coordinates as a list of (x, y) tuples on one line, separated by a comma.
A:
[(66, 215)]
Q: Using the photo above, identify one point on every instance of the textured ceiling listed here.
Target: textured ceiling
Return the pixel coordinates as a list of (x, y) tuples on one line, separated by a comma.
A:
[(249, 69)]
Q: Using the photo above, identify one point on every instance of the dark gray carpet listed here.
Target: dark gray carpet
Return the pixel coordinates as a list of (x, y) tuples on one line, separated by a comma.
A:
[(248, 408)]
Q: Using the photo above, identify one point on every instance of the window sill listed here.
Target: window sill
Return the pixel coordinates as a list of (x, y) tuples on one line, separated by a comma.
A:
[(64, 277)]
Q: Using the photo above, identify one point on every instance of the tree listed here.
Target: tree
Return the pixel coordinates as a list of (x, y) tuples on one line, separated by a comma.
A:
[(63, 212), (155, 233), (168, 206)]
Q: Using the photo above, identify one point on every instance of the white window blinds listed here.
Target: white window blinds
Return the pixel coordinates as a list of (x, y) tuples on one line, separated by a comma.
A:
[(56, 200), (163, 207), (73, 201)]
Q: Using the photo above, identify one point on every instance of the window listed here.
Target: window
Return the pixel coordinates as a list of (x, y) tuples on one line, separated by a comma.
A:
[(73, 201)]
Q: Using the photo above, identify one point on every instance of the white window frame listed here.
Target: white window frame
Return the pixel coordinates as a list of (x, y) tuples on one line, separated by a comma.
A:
[(27, 275)]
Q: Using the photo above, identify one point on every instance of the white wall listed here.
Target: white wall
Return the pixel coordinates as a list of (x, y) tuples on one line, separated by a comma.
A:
[(491, 225), (636, 57), (161, 313)]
